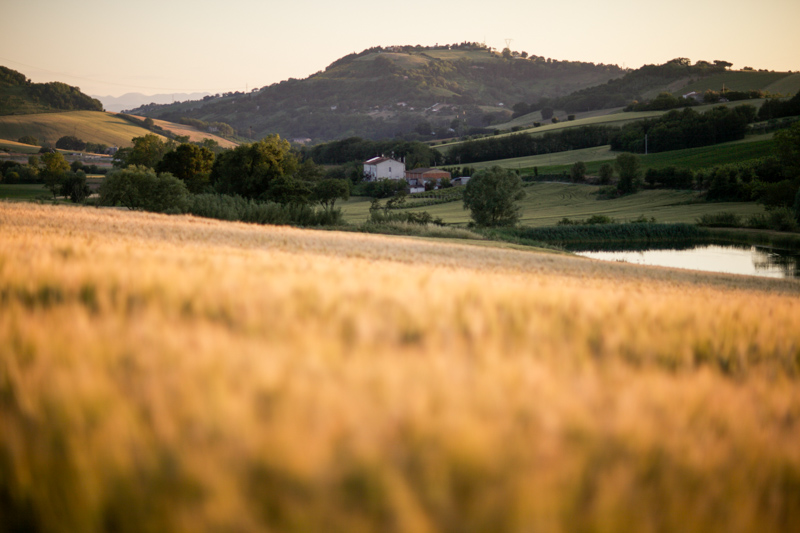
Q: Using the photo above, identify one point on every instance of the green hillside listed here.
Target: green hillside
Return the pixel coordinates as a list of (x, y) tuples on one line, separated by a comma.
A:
[(20, 96), (740, 80), (383, 92), (89, 126)]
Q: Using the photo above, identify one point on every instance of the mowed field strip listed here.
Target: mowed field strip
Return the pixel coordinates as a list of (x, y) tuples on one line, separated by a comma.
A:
[(547, 203), (170, 373)]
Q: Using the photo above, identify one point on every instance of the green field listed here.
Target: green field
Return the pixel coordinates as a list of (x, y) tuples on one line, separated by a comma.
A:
[(736, 81), (752, 147), (13, 146), (547, 203), (89, 126), (23, 192)]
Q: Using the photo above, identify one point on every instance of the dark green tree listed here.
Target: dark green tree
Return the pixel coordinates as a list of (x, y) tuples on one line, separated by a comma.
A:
[(578, 171), (287, 190), (249, 169), (190, 163), (491, 196), (629, 169), (140, 188), (326, 192), (147, 151), (70, 142), (606, 172), (53, 171), (74, 186), (787, 149)]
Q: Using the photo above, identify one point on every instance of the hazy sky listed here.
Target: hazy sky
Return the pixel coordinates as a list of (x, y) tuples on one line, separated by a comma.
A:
[(107, 47)]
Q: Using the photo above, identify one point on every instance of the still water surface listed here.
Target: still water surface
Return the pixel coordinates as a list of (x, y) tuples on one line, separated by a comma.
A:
[(750, 260)]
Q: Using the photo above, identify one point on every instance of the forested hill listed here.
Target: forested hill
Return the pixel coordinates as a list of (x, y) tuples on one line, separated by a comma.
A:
[(676, 77), (382, 92), (20, 96)]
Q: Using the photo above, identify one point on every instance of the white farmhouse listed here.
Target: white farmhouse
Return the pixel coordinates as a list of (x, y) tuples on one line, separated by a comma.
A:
[(384, 167)]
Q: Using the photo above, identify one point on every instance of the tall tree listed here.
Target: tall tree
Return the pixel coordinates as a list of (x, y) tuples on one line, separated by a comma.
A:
[(249, 169), (147, 151), (491, 196), (630, 173), (53, 171), (190, 163)]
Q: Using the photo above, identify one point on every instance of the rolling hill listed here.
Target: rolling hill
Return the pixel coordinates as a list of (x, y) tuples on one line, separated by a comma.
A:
[(452, 91), (20, 96), (90, 126), (383, 92)]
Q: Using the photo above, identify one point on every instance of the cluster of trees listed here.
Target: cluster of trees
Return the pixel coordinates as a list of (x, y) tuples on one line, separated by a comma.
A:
[(220, 128), (526, 144), (621, 91), (677, 130), (70, 142), (415, 154), (778, 108), (773, 180), (158, 175)]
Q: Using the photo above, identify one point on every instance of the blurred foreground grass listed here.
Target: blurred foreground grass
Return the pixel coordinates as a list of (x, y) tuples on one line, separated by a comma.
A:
[(178, 374)]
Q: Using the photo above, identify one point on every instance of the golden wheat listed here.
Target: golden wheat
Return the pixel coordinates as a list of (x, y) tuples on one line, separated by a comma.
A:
[(179, 374)]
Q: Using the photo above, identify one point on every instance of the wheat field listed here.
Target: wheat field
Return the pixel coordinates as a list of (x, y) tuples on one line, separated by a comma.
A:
[(170, 373)]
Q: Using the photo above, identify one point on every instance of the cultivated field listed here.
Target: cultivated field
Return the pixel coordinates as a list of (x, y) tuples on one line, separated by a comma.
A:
[(178, 374), (89, 126), (547, 203), (193, 133)]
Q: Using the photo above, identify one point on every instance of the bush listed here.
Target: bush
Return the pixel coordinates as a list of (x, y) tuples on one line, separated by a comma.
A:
[(236, 208), (141, 188), (724, 219)]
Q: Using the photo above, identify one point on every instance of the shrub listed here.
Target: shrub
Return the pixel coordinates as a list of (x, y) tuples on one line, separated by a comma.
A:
[(724, 219), (141, 188), (236, 208)]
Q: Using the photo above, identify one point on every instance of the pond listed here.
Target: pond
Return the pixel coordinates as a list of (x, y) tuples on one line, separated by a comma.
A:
[(753, 260)]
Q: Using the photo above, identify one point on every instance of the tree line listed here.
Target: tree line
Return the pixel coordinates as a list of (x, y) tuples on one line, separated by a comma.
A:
[(526, 144), (677, 130)]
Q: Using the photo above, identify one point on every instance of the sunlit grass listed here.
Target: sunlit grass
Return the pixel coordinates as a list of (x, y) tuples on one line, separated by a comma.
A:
[(179, 374)]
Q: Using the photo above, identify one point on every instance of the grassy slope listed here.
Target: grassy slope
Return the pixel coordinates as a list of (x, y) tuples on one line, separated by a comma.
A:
[(194, 134), (13, 146), (617, 118), (547, 203), (753, 147), (736, 80), (177, 374), (789, 85), (89, 126)]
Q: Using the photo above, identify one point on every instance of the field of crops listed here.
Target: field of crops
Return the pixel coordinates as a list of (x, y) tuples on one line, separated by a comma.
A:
[(547, 203), (89, 126), (186, 375)]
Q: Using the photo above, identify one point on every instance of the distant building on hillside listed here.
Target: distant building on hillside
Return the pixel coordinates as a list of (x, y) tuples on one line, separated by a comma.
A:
[(384, 168), (418, 177)]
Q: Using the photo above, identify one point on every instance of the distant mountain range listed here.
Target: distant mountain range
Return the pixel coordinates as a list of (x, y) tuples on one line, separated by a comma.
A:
[(134, 100)]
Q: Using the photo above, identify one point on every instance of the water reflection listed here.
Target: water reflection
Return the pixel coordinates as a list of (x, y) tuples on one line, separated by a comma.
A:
[(751, 260)]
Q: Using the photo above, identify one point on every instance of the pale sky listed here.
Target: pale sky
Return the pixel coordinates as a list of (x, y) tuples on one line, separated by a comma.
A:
[(108, 47)]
